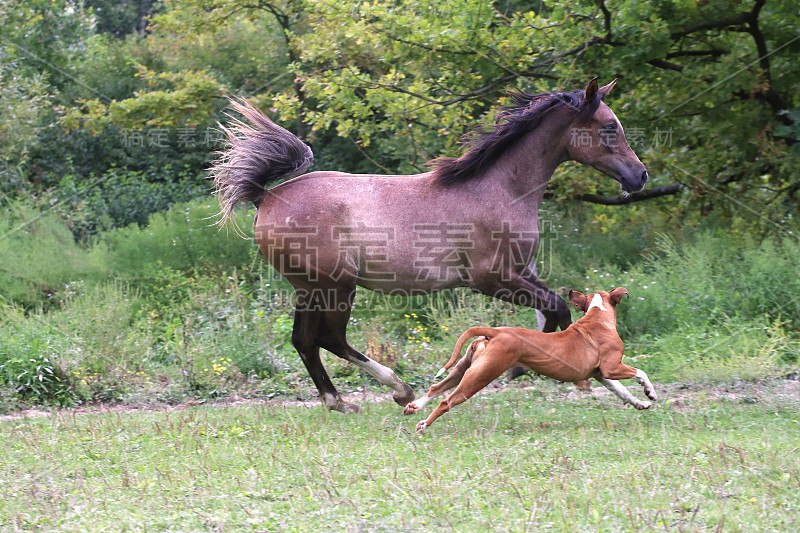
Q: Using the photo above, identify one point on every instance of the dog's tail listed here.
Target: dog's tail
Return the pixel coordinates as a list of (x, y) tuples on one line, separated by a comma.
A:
[(467, 335)]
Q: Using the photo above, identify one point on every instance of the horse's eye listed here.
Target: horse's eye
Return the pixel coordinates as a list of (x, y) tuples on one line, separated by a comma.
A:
[(610, 127)]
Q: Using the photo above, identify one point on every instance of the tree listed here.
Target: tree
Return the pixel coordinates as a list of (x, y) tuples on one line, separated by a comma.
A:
[(714, 83), (707, 91)]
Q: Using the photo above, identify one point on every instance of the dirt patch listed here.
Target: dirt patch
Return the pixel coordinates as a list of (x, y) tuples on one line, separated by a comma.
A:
[(674, 396)]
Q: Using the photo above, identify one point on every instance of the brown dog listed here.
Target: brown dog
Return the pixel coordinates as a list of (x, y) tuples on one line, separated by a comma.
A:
[(589, 348)]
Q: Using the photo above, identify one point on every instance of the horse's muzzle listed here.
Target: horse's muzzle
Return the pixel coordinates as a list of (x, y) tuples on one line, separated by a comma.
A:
[(634, 183)]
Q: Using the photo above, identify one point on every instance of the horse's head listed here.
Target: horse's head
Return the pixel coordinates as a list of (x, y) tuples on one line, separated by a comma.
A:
[(599, 140)]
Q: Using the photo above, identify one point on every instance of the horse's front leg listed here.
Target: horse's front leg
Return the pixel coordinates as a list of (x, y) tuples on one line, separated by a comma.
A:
[(553, 307), (526, 289), (530, 292)]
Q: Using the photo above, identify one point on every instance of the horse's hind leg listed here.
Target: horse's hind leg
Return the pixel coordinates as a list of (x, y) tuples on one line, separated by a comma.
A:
[(304, 338), (334, 339)]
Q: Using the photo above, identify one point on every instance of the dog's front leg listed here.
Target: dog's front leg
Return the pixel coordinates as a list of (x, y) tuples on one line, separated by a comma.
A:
[(644, 381), (619, 389)]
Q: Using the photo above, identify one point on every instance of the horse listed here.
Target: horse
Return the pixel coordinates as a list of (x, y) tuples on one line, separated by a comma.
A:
[(470, 221)]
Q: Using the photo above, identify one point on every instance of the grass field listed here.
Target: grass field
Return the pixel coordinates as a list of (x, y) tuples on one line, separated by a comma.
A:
[(530, 457)]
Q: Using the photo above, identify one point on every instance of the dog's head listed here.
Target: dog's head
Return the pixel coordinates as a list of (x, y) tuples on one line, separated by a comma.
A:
[(601, 299)]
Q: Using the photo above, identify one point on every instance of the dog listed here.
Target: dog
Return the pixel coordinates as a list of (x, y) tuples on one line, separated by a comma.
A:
[(589, 348)]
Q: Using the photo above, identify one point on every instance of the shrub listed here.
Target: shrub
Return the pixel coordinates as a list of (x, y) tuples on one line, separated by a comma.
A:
[(38, 255), (30, 366), (182, 238), (736, 350), (706, 280), (121, 197)]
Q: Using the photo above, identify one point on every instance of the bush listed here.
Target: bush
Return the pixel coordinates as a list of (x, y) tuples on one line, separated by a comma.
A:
[(183, 238), (38, 256), (121, 197), (30, 366), (706, 281), (736, 350)]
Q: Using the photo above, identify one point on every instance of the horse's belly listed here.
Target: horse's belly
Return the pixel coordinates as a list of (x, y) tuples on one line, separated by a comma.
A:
[(402, 285)]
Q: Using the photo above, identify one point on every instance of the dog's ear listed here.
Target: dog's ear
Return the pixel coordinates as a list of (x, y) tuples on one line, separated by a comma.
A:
[(578, 299), (617, 294)]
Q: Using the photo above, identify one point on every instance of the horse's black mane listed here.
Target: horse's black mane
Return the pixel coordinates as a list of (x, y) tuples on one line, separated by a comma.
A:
[(523, 115)]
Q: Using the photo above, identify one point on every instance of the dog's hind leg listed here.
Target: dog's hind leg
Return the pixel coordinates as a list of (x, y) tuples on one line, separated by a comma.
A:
[(477, 376), (619, 389), (452, 379)]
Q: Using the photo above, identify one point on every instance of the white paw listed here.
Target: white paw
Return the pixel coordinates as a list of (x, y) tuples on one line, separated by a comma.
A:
[(411, 408), (422, 426)]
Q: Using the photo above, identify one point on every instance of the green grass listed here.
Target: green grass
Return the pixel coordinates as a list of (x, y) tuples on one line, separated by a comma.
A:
[(523, 459)]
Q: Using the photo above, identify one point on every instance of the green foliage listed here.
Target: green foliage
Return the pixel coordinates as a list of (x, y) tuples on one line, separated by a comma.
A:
[(180, 239), (119, 198), (173, 99), (46, 37), (30, 361), (707, 91), (38, 255), (121, 18), (22, 102), (706, 280), (736, 349)]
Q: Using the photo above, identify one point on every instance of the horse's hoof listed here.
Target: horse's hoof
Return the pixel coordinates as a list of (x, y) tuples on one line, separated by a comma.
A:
[(404, 397), (346, 407), (410, 409)]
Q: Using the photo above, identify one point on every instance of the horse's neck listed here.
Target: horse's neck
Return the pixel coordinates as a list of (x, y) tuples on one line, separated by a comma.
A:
[(525, 169)]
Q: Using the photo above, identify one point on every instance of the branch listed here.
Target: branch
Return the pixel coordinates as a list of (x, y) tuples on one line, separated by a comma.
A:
[(660, 63), (368, 84), (640, 196), (712, 25), (606, 18), (580, 48), (696, 53)]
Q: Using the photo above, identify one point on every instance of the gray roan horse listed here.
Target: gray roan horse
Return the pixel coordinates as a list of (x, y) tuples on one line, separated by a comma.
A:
[(470, 222)]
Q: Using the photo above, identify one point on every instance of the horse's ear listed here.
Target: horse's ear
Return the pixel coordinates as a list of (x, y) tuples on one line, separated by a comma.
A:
[(606, 89), (578, 299), (591, 91)]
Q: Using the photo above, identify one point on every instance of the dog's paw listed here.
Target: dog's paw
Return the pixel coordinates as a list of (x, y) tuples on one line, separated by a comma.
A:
[(411, 408), (651, 393), (642, 405), (422, 425)]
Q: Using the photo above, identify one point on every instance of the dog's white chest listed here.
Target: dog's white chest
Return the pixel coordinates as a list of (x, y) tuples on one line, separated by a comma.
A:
[(597, 301)]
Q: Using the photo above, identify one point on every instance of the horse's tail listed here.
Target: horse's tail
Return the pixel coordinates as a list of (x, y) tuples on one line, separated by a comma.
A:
[(467, 335), (257, 152)]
